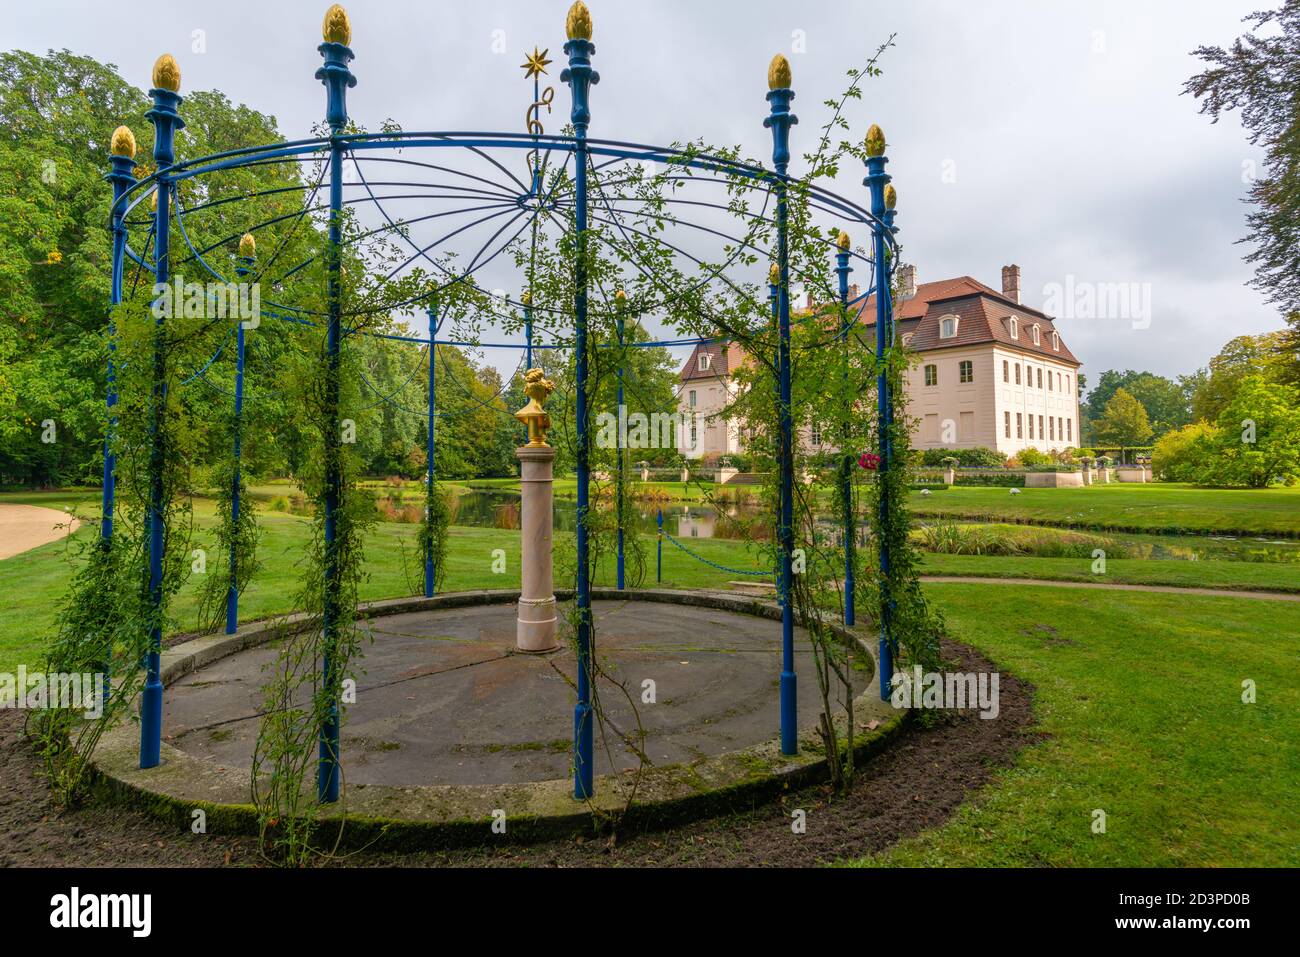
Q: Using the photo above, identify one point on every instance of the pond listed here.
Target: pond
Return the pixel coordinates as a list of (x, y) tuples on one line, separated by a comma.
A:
[(500, 509)]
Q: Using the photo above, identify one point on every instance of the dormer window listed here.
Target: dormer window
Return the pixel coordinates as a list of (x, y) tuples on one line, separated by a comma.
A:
[(1056, 342), (948, 327), (1015, 327), (705, 361), (1037, 341)]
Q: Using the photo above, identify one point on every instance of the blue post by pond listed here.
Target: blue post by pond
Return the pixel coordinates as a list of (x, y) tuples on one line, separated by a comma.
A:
[(166, 121), (659, 548), (846, 454), (779, 121), (620, 301), (430, 471), (337, 78), (243, 268), (122, 178), (877, 179), (580, 76)]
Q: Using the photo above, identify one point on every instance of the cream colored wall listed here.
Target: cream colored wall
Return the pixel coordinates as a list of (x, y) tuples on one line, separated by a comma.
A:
[(966, 406), (716, 435), (1060, 403)]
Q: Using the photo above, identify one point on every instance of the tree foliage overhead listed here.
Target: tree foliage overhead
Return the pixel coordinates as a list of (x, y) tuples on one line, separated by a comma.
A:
[(1258, 76)]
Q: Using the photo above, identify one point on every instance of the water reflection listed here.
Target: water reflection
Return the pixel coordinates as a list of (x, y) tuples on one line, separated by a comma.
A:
[(500, 509)]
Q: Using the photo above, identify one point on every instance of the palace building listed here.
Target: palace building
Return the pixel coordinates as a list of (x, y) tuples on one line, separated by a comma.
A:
[(990, 372)]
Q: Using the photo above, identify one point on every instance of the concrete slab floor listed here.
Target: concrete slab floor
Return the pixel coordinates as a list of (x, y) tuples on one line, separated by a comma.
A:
[(444, 698)]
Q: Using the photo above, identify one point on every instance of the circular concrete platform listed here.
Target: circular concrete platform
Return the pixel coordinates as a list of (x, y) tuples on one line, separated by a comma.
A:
[(452, 728), (443, 698)]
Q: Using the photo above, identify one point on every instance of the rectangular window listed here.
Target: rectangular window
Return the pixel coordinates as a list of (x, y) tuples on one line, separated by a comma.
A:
[(692, 398), (931, 375), (816, 435), (1040, 426), (1049, 382), (1006, 372), (1017, 373), (1060, 427), (1006, 423), (1040, 385), (1020, 423), (1069, 429), (967, 371), (1031, 425), (1051, 427)]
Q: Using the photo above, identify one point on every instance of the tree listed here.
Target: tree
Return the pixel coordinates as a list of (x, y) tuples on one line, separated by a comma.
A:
[(1257, 76), (1241, 357), (1258, 436), (1124, 423), (1164, 400), (1186, 454)]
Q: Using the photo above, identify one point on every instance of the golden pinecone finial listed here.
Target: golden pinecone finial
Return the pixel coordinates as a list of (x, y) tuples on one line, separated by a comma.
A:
[(153, 200), (337, 28), (779, 76), (123, 142), (247, 246), (843, 241), (774, 275), (526, 298), (620, 297), (891, 196), (578, 23), (875, 141), (167, 73)]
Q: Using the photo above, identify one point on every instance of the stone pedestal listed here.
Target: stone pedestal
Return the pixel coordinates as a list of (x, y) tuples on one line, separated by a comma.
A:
[(537, 615)]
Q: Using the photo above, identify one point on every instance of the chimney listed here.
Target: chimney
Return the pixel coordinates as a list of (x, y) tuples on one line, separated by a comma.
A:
[(808, 301), (853, 291), (906, 282), (1011, 282)]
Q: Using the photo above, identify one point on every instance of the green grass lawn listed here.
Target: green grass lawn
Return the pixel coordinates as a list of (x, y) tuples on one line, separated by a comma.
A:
[(1139, 697), (1242, 576), (1155, 508), (1138, 694)]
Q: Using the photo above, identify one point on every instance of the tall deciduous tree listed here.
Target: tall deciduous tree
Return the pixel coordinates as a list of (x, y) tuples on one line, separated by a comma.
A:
[(1124, 423), (1259, 76)]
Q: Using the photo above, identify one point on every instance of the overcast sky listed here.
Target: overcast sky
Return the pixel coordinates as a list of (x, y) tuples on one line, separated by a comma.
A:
[(1049, 134)]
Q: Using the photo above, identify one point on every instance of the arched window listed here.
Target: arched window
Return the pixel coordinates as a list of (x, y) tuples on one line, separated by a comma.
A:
[(1017, 373), (1015, 328), (705, 361), (948, 327), (1056, 342), (1037, 340), (1006, 374)]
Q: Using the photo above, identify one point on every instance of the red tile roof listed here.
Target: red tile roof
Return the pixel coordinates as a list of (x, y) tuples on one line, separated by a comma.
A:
[(724, 359), (982, 313)]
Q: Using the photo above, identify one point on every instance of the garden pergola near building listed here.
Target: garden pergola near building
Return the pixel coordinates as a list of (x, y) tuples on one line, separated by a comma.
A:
[(649, 210)]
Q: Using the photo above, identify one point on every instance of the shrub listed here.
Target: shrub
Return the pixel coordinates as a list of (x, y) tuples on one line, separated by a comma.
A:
[(1031, 457), (976, 458), (1183, 455)]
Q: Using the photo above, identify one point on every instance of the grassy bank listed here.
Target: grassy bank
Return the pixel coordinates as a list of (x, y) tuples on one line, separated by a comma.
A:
[(1139, 701)]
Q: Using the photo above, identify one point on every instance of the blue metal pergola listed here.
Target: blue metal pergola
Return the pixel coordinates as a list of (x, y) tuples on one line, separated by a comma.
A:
[(508, 206)]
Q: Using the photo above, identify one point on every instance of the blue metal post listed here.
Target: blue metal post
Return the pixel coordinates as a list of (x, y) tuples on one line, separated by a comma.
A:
[(779, 121), (122, 178), (876, 180), (337, 78), (242, 270), (620, 301), (580, 76), (846, 454), (659, 549), (429, 450), (166, 121)]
